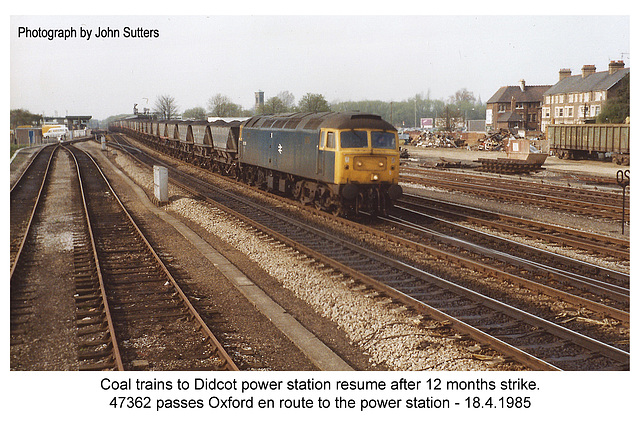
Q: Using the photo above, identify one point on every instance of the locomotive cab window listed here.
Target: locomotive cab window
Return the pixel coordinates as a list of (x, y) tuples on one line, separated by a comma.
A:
[(383, 140), (354, 139), (331, 140)]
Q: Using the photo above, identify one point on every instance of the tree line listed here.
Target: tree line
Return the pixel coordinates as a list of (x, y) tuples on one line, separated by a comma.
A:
[(407, 113), (462, 105), (221, 105)]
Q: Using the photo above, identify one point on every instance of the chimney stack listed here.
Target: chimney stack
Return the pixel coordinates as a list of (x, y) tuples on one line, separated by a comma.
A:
[(564, 73), (522, 86), (588, 69), (614, 66)]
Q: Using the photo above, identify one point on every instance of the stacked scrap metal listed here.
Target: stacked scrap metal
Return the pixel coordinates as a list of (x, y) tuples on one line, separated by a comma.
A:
[(437, 140), (495, 141)]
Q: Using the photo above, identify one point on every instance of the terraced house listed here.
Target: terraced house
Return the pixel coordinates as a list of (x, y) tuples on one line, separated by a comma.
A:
[(517, 107), (578, 99)]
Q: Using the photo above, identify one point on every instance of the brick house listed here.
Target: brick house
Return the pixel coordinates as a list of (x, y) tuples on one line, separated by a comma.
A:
[(516, 107), (578, 99)]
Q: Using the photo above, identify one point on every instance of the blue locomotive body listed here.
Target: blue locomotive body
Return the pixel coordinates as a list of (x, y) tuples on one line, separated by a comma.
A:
[(340, 162)]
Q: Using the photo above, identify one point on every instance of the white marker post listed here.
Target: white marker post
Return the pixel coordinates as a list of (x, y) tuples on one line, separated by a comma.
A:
[(161, 184)]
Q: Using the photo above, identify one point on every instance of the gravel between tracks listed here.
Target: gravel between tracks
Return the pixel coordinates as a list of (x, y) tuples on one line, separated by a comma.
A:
[(392, 337)]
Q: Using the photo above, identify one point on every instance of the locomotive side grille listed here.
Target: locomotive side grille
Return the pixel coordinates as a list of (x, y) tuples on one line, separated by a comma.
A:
[(313, 123)]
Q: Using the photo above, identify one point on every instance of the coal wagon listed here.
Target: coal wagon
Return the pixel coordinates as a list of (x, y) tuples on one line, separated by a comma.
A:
[(590, 141)]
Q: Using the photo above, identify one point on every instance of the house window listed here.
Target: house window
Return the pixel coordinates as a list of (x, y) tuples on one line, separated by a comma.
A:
[(546, 112), (559, 111), (583, 111), (569, 111), (570, 98), (519, 106), (586, 97), (548, 100)]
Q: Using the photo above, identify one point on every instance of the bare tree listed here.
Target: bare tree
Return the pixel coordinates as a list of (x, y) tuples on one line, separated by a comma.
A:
[(288, 100), (166, 107), (462, 95)]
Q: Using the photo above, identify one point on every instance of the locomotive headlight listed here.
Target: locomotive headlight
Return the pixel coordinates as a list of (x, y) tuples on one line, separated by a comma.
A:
[(359, 163), (374, 177), (381, 164)]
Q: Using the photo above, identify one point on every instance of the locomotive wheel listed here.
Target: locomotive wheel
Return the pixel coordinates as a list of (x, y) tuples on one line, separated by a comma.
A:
[(297, 190), (336, 210), (261, 180)]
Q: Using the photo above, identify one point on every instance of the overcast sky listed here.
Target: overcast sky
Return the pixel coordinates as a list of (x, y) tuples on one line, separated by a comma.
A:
[(353, 57)]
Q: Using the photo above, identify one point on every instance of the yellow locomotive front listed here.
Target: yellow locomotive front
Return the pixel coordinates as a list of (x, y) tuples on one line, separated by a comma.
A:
[(341, 162), (367, 167), (367, 157)]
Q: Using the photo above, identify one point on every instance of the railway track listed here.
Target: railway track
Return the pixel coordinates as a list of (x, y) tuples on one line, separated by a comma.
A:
[(26, 296), (24, 196), (596, 244), (41, 287), (568, 199), (121, 283), (569, 274), (602, 297), (130, 313), (528, 339)]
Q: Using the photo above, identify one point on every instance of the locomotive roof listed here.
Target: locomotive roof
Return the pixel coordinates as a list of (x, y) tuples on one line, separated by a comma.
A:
[(315, 121)]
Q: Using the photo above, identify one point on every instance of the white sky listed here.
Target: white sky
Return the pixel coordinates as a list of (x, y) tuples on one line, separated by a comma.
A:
[(352, 57)]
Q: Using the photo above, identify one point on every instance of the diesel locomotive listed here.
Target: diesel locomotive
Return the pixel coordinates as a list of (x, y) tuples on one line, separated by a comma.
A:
[(343, 163)]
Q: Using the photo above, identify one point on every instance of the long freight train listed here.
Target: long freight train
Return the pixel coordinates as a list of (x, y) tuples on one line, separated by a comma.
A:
[(340, 162)]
